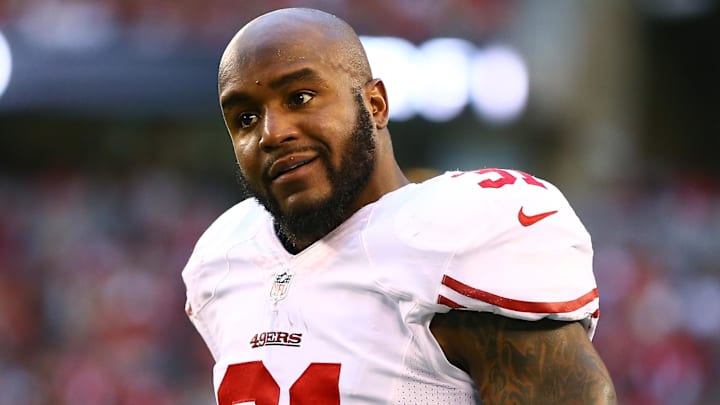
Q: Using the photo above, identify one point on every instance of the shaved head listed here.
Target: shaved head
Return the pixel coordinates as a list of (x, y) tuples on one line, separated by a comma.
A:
[(296, 33), (307, 120)]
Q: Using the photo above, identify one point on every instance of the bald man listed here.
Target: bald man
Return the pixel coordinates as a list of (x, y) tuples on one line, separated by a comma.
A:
[(339, 282)]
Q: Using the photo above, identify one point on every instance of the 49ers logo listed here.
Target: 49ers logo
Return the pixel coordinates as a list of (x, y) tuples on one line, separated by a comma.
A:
[(276, 339)]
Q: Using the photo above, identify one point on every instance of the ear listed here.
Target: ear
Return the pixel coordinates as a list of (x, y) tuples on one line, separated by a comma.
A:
[(376, 96)]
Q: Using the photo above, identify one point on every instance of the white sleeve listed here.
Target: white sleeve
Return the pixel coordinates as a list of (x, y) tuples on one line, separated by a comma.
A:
[(542, 269)]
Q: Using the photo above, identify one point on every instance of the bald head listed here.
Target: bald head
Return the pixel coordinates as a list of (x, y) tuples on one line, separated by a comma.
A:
[(296, 84), (292, 34)]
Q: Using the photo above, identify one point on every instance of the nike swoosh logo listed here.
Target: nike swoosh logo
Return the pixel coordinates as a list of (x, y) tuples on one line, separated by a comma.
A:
[(527, 220)]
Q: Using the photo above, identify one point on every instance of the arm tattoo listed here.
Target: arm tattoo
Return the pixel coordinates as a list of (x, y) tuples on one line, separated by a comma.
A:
[(542, 362)]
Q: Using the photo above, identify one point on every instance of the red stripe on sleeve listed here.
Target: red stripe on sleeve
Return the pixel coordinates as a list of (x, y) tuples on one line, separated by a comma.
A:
[(516, 305), (450, 303)]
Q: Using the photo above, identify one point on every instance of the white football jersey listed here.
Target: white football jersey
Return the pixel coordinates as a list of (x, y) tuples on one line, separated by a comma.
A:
[(346, 321)]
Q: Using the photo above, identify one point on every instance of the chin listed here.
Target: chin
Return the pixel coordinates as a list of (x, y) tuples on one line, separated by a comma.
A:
[(304, 202)]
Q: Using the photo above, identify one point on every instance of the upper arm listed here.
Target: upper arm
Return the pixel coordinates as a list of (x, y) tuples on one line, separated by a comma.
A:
[(525, 362)]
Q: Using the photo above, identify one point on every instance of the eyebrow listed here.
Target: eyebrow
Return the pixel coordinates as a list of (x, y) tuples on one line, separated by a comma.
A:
[(296, 76), (304, 74), (232, 99)]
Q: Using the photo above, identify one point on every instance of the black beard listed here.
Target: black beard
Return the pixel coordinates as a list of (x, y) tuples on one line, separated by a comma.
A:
[(347, 181)]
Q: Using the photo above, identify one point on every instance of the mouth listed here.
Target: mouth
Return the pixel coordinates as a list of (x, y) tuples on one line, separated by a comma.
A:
[(289, 164)]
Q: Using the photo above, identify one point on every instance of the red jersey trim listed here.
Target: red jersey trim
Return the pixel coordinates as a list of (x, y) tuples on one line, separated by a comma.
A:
[(448, 302), (517, 305)]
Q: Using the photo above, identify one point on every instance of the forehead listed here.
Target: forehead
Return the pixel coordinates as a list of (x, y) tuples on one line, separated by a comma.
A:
[(252, 57)]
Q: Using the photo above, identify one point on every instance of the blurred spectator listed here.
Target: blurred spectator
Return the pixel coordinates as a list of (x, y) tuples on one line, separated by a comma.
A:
[(90, 299)]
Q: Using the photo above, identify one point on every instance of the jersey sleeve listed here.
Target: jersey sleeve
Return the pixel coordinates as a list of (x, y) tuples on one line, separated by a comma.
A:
[(525, 254)]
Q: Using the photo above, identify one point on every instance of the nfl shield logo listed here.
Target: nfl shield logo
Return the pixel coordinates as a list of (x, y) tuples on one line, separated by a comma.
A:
[(280, 286)]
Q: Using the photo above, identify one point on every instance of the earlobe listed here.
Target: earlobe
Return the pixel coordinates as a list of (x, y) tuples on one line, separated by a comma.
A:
[(377, 97)]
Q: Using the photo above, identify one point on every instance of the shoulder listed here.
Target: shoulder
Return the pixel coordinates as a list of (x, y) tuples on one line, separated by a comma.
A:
[(465, 208), (515, 245), (239, 222), (207, 263), (491, 189)]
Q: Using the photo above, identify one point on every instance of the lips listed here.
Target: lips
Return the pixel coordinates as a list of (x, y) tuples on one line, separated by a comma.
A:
[(289, 163)]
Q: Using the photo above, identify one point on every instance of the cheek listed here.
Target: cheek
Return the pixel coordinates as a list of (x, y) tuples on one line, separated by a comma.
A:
[(343, 141), (335, 132), (239, 149), (246, 156)]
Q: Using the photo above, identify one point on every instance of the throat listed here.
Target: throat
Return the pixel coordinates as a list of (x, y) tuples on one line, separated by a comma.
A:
[(293, 243), (298, 230)]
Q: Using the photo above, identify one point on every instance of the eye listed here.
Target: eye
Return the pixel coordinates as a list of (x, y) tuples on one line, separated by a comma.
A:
[(246, 120), (300, 98)]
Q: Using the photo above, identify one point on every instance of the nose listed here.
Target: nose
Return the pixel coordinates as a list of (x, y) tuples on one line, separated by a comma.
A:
[(278, 128)]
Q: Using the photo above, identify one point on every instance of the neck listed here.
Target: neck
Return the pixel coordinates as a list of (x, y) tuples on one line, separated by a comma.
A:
[(291, 243)]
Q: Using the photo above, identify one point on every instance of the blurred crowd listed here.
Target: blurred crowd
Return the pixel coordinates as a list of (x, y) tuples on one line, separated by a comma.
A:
[(91, 300), (657, 262), (214, 21)]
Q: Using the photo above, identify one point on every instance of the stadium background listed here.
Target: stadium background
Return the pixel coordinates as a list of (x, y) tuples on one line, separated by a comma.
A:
[(113, 159)]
